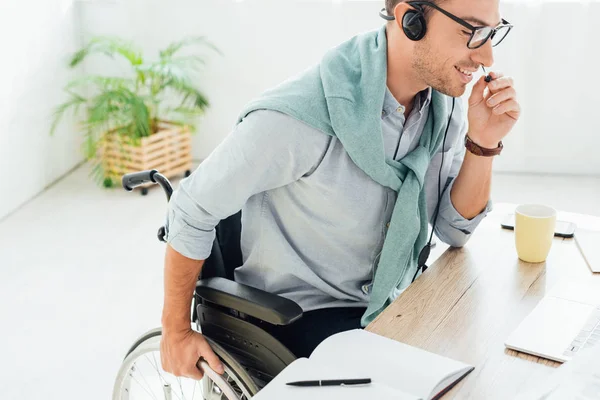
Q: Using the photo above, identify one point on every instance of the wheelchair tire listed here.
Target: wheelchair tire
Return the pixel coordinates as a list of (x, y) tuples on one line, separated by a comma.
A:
[(235, 374)]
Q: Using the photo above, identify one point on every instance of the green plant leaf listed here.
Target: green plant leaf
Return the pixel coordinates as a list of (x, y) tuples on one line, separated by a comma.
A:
[(89, 145), (190, 93), (183, 116), (187, 111), (176, 46), (102, 82), (120, 107), (97, 172), (141, 117), (171, 76), (163, 71), (193, 62), (74, 103), (109, 46)]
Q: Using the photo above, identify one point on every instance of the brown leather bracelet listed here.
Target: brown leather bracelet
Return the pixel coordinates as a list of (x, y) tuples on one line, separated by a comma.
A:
[(482, 151)]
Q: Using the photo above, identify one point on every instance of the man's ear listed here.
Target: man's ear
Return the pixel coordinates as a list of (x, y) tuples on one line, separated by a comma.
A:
[(399, 11)]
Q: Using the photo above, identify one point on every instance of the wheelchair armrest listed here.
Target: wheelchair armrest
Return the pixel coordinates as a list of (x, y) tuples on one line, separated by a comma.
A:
[(257, 303)]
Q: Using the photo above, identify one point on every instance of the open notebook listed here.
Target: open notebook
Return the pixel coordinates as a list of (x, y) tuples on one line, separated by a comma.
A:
[(397, 371)]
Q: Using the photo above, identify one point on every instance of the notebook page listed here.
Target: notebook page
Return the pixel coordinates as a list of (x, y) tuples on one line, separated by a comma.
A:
[(395, 364), (304, 369)]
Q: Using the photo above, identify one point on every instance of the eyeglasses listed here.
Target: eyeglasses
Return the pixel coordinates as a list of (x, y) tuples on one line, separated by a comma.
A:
[(479, 34)]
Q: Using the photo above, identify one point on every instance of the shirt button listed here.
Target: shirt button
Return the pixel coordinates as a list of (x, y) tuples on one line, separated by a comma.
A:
[(366, 289), (400, 109), (388, 224)]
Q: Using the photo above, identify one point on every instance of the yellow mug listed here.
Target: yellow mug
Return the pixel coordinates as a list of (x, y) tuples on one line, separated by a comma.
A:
[(534, 231)]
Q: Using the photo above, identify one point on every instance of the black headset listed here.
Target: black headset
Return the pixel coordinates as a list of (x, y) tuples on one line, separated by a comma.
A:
[(414, 27), (426, 250), (413, 22)]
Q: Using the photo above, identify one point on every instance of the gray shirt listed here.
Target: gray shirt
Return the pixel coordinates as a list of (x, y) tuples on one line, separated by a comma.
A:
[(313, 223)]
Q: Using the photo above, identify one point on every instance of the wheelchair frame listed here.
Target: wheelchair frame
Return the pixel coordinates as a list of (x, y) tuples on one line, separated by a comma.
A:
[(231, 314)]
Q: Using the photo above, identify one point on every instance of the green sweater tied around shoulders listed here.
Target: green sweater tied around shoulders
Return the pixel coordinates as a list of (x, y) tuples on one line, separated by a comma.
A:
[(342, 96)]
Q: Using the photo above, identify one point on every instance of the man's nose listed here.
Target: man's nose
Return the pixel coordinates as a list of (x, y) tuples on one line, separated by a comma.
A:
[(484, 55)]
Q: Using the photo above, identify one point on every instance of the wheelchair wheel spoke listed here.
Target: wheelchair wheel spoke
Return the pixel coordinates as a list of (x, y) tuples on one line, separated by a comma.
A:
[(149, 391), (194, 392), (180, 388), (155, 365), (147, 384), (164, 382)]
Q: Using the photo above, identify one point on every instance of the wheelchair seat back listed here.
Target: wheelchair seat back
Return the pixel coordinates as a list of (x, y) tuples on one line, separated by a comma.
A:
[(226, 253)]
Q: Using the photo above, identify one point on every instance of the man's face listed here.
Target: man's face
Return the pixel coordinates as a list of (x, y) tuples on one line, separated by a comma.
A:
[(443, 51)]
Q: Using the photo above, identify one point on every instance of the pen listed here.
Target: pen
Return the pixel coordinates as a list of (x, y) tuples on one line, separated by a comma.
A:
[(332, 382)]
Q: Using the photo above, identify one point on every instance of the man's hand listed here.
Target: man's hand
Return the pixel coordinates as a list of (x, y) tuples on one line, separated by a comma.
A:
[(180, 351), (492, 114)]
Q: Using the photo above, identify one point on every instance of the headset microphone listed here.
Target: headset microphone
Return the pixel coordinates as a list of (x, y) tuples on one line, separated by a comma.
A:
[(488, 77)]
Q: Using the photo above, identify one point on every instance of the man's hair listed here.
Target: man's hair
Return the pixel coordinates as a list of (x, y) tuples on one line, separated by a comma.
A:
[(391, 4)]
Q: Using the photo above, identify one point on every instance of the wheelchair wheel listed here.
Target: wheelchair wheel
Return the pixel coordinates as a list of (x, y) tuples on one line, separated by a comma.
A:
[(141, 376)]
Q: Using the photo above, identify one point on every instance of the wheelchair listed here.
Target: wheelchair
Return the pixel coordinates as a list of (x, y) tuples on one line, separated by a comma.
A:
[(232, 317)]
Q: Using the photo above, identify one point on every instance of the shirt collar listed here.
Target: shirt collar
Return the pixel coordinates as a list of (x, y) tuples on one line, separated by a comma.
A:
[(391, 105)]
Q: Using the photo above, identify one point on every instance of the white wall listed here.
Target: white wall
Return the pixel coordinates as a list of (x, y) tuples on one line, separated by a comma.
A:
[(265, 42), (35, 38), (553, 49)]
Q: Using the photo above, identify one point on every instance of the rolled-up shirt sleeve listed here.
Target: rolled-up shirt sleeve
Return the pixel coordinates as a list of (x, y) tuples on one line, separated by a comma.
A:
[(266, 150), (452, 228)]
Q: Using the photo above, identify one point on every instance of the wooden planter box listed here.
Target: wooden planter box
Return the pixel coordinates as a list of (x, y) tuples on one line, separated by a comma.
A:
[(169, 152)]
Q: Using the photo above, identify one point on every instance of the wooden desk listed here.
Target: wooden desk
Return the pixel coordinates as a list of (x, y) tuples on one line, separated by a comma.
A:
[(470, 300)]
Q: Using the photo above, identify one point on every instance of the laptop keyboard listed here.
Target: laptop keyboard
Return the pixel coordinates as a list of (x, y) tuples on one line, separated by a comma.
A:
[(588, 336)]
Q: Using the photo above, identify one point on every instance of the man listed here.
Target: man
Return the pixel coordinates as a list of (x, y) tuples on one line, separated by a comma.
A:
[(336, 203)]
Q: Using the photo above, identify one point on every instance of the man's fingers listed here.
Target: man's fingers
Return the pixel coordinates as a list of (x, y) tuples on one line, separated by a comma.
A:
[(211, 358), (187, 368), (496, 74), (477, 91), (502, 95), (190, 371), (500, 83), (194, 373), (180, 353), (510, 107)]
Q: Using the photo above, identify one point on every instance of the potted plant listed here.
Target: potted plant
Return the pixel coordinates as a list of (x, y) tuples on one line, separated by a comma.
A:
[(137, 122)]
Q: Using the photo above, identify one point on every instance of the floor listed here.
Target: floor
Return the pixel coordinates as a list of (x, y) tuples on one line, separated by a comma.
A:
[(82, 278)]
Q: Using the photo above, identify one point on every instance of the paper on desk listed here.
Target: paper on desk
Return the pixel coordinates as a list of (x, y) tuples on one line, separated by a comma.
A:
[(578, 379)]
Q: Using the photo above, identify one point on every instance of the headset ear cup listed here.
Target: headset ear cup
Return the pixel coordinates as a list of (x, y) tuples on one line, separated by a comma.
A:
[(413, 25)]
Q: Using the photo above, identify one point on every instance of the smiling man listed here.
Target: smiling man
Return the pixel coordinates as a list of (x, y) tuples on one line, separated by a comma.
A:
[(339, 171)]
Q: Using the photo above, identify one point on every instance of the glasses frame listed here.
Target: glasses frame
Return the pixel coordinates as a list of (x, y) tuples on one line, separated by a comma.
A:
[(504, 24)]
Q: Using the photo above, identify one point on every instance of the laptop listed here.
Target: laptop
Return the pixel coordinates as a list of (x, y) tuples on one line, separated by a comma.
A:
[(565, 321)]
